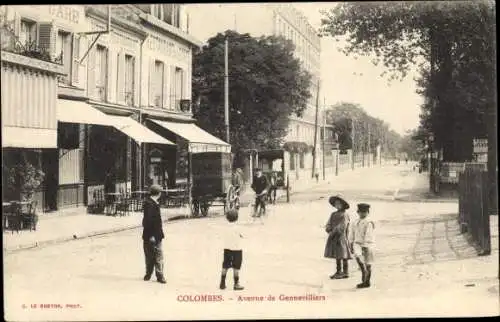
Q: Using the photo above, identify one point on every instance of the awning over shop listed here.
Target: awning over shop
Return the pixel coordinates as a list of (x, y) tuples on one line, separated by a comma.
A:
[(137, 131), (199, 140), (80, 112), (29, 138)]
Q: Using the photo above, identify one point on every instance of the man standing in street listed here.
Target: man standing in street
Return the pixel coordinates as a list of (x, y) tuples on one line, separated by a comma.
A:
[(260, 185), (152, 235)]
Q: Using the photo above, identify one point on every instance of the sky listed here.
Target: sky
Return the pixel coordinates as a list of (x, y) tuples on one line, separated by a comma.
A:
[(358, 81), (343, 78)]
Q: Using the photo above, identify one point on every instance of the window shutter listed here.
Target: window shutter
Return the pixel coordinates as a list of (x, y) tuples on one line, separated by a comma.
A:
[(187, 77), (82, 70), (17, 25), (47, 37), (137, 86), (75, 66), (109, 57), (165, 86), (120, 93), (151, 82), (91, 73), (172, 87)]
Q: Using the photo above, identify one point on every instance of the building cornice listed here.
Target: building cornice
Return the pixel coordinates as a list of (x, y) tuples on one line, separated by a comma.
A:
[(151, 20), (117, 21), (33, 63)]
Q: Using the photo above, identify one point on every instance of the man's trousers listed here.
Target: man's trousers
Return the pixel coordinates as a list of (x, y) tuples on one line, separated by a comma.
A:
[(154, 258)]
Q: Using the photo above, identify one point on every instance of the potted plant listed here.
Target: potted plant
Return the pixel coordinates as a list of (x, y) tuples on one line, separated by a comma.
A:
[(25, 178)]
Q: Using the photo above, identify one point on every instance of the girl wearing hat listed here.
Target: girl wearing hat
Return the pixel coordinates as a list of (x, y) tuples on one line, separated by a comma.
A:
[(337, 245)]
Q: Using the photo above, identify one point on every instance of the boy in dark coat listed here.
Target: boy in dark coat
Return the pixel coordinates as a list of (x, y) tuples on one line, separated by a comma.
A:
[(337, 244), (152, 235)]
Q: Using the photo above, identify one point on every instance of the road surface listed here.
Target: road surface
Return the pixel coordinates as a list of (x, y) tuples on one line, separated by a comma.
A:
[(422, 268)]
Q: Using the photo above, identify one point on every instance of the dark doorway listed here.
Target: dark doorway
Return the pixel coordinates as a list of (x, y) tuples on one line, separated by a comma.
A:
[(50, 166)]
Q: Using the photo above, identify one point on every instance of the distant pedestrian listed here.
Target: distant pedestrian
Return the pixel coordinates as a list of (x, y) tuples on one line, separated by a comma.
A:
[(273, 186), (337, 244), (153, 235), (362, 239), (260, 186), (233, 253)]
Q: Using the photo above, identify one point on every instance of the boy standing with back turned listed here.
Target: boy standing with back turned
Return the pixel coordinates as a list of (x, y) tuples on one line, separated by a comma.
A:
[(233, 253)]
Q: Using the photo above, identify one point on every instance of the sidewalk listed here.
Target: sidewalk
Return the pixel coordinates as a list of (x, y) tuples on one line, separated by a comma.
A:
[(66, 225)]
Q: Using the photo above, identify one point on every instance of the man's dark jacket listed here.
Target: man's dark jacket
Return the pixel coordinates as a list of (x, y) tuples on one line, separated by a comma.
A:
[(259, 184), (151, 222)]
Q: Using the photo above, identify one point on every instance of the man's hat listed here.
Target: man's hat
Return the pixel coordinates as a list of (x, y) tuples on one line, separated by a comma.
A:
[(155, 189), (363, 207), (345, 204), (258, 169)]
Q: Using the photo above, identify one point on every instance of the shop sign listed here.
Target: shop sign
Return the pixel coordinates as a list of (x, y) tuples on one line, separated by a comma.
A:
[(65, 12), (155, 159)]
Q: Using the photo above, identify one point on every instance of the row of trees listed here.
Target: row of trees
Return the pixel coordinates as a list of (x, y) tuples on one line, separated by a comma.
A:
[(452, 43), (368, 132)]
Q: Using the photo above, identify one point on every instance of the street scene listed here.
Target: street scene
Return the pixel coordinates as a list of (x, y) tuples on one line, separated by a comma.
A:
[(249, 161)]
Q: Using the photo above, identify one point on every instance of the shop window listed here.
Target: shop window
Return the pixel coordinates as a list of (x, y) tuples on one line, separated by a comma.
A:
[(101, 68), (64, 54), (292, 161), (129, 79), (27, 35)]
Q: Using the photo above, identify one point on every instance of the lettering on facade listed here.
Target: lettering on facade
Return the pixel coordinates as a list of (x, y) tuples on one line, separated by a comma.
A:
[(168, 48), (65, 12)]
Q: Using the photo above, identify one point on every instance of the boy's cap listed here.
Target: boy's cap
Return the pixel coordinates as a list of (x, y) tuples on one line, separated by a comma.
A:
[(258, 169), (362, 207), (155, 189)]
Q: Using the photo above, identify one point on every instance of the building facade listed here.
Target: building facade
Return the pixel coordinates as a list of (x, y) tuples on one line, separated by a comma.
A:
[(117, 69), (286, 21)]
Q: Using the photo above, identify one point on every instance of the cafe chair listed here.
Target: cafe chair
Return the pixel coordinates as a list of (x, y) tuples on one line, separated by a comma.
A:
[(29, 217), (14, 219)]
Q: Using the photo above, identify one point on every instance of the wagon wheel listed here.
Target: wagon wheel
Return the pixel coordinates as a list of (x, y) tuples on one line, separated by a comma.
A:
[(195, 207), (204, 205), (232, 200)]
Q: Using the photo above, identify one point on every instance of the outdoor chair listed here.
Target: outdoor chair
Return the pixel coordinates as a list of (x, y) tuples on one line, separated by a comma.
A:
[(29, 217), (14, 219)]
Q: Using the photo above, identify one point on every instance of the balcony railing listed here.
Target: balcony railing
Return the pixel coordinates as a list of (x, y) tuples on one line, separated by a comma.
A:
[(129, 98)]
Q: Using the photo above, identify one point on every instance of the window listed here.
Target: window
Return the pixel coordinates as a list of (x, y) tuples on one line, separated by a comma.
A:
[(27, 36), (292, 161), (129, 79), (101, 66), (64, 53), (301, 160), (158, 84), (179, 88)]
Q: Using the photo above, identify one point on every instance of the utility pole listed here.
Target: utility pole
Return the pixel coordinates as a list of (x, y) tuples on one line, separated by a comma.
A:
[(315, 134), (352, 140), (369, 146), (324, 135), (226, 89)]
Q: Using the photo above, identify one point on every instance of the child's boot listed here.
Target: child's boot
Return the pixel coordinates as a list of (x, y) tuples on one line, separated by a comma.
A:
[(237, 286), (345, 268), (222, 285), (338, 273)]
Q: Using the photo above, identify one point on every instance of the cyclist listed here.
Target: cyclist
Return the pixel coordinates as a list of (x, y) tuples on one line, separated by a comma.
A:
[(260, 186), (237, 182)]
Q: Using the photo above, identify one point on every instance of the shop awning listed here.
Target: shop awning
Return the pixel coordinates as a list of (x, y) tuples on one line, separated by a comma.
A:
[(137, 131), (28, 138), (199, 140), (80, 112)]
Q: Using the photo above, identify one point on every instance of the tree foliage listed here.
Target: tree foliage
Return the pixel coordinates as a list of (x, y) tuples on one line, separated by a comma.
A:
[(369, 132), (452, 43), (266, 86)]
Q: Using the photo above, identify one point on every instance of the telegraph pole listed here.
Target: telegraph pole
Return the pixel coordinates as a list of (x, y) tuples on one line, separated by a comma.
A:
[(352, 139), (315, 134), (324, 135), (369, 145), (226, 89)]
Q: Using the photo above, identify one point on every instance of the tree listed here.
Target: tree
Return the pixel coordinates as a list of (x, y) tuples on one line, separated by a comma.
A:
[(266, 86), (456, 40)]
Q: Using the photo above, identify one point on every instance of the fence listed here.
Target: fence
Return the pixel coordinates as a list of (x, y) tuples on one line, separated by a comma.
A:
[(473, 205)]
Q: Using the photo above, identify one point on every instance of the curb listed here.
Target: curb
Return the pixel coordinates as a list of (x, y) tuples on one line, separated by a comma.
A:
[(83, 236)]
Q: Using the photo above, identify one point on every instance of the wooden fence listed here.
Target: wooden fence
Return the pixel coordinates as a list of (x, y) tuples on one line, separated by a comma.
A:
[(473, 205)]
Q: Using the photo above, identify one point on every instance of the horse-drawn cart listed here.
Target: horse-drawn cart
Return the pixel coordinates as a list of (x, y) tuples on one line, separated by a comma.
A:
[(211, 182)]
